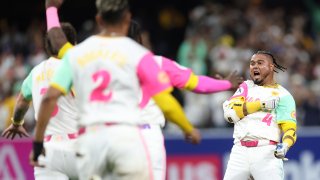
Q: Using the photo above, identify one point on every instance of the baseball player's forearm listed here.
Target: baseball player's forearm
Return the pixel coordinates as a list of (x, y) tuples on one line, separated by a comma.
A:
[(173, 111), (46, 108), (252, 107), (56, 35), (204, 84), (289, 129), (22, 106)]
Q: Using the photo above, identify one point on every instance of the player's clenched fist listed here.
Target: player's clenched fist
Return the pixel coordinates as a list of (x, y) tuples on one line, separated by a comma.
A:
[(54, 3), (193, 137), (281, 150)]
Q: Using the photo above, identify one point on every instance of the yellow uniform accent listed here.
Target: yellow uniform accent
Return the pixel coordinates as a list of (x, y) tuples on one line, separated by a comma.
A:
[(253, 106), (238, 108), (192, 82), (17, 123), (237, 105), (173, 111), (58, 87), (64, 49), (289, 129)]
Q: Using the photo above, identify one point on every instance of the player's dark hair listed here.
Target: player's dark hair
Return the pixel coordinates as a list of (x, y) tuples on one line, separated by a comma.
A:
[(274, 61), (70, 34), (134, 31), (112, 11)]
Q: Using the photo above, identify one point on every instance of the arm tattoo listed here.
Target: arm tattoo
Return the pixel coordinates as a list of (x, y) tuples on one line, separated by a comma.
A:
[(21, 109)]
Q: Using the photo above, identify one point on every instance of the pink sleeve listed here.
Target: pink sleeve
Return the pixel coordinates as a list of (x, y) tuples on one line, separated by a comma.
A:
[(152, 80), (178, 75), (241, 91), (210, 85)]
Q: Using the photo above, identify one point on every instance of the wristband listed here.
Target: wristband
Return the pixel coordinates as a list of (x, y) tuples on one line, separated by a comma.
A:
[(15, 123), (52, 18), (37, 150)]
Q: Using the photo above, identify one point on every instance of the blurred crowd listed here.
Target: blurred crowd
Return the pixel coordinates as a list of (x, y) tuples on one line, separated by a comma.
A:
[(219, 38)]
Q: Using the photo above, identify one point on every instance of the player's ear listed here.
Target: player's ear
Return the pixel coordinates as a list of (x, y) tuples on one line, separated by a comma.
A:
[(272, 66)]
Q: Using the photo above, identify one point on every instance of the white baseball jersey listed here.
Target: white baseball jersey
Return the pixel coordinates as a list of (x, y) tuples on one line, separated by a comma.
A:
[(104, 72), (63, 119), (263, 124)]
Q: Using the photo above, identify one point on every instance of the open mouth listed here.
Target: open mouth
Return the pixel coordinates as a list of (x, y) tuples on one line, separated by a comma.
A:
[(256, 73)]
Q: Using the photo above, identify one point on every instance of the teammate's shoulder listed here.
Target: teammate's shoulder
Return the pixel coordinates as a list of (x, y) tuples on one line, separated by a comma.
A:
[(248, 83)]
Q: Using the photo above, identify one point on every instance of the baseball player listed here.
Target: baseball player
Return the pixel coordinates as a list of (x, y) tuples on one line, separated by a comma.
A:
[(62, 130), (107, 71), (263, 113), (182, 78)]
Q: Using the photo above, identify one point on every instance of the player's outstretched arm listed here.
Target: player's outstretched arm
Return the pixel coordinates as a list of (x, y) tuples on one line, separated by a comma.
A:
[(183, 78), (16, 127), (156, 84), (56, 35)]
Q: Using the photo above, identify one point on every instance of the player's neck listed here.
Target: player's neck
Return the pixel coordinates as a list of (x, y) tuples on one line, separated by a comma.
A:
[(269, 83), (113, 32)]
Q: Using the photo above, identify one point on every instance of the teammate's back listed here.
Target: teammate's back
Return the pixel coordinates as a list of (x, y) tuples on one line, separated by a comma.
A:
[(107, 68)]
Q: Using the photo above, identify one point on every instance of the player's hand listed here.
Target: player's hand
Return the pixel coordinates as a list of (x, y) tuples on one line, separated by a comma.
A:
[(54, 3), (269, 103), (281, 150), (35, 153), (193, 137), (234, 79), (13, 130)]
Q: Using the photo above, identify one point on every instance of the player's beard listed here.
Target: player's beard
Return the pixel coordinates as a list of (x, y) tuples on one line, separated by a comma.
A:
[(257, 81)]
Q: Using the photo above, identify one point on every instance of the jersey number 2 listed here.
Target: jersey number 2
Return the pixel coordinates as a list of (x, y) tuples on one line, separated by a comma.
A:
[(56, 109), (98, 93)]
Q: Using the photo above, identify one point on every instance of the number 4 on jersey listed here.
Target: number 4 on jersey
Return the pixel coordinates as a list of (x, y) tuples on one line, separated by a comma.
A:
[(267, 119)]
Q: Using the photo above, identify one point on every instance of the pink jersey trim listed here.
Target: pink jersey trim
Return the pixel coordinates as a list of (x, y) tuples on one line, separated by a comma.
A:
[(147, 154), (152, 79), (242, 91), (179, 76), (210, 85)]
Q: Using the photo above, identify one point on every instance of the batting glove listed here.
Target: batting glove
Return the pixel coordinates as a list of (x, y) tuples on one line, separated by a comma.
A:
[(269, 103), (281, 150)]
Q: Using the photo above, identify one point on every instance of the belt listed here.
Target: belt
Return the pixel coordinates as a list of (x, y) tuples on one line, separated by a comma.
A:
[(60, 137), (255, 143), (145, 126), (94, 128)]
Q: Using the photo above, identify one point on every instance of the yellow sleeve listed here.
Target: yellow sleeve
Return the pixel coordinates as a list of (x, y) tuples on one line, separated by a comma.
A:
[(253, 106), (192, 82), (173, 111), (64, 49), (237, 104), (289, 129)]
